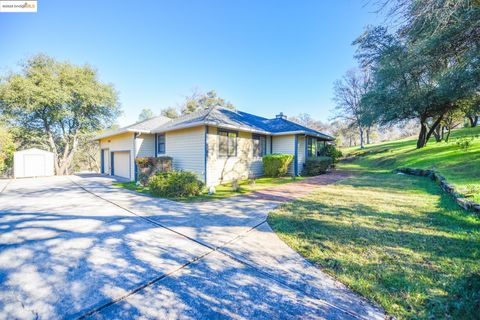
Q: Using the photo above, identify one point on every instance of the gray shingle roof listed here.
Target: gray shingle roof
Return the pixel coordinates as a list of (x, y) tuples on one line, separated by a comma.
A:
[(235, 119), (220, 117), (142, 126), (149, 124)]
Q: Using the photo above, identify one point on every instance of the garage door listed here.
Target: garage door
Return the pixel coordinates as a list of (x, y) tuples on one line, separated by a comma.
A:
[(34, 165), (121, 164)]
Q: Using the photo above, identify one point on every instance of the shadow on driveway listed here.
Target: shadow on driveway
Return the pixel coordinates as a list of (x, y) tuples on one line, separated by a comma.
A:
[(66, 252)]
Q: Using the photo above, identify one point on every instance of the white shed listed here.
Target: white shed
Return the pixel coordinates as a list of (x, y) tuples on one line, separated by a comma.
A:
[(33, 163)]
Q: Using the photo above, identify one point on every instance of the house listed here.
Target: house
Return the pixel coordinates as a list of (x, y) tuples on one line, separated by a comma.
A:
[(217, 144)]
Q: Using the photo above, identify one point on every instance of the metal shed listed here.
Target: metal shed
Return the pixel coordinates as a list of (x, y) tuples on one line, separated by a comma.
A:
[(33, 163)]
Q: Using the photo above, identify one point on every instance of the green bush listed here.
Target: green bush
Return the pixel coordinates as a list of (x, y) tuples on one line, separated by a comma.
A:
[(331, 151), (175, 184), (276, 165), (149, 166), (316, 165)]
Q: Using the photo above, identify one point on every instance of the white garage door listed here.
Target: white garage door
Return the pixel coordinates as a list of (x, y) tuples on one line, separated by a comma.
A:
[(121, 164), (34, 165)]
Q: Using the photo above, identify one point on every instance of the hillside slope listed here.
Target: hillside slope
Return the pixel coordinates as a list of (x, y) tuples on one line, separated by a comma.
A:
[(458, 160)]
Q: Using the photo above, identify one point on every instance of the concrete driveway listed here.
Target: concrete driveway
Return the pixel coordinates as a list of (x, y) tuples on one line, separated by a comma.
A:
[(77, 247)]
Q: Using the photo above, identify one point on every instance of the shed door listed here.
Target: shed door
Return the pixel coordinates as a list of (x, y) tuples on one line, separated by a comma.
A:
[(121, 164), (34, 165)]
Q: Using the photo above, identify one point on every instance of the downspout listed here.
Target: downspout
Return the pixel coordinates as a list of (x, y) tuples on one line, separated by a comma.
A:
[(205, 159), (306, 147), (295, 157), (135, 169), (306, 151)]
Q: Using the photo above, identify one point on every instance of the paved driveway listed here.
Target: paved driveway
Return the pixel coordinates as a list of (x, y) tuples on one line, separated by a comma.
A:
[(76, 247)]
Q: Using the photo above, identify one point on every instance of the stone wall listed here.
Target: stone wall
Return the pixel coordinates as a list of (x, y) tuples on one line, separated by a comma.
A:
[(442, 182)]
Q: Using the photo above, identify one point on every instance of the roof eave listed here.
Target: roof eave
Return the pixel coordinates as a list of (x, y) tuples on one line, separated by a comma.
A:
[(118, 132), (232, 127), (189, 125), (318, 135)]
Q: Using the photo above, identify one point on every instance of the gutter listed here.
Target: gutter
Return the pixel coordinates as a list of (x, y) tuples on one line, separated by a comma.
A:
[(215, 124), (115, 133), (304, 132)]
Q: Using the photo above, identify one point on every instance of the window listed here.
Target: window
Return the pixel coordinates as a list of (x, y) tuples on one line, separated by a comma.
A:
[(320, 147), (161, 143), (259, 145), (312, 147), (227, 143)]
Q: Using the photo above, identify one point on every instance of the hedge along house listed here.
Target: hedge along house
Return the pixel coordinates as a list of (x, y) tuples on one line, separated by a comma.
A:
[(217, 144)]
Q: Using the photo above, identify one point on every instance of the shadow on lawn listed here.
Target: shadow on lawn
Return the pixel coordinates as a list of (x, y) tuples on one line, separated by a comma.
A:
[(422, 257)]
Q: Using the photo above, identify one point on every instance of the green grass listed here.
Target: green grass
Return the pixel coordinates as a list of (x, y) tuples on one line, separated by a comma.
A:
[(461, 167), (397, 240), (222, 191)]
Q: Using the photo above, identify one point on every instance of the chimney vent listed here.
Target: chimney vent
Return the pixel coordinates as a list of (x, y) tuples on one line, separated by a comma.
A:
[(281, 116)]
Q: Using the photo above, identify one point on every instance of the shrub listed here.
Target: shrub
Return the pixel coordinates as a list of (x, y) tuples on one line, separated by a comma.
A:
[(331, 151), (149, 166), (175, 184), (316, 165), (276, 165)]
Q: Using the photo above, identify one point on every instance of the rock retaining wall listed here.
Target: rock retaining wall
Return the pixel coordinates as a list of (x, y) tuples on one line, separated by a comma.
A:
[(442, 182)]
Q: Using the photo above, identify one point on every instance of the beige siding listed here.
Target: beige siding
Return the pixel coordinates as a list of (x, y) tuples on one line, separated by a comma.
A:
[(145, 145), (285, 144), (121, 142), (301, 153), (243, 166), (187, 148)]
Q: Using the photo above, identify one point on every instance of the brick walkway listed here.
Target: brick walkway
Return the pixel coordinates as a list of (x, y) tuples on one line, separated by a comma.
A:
[(291, 191)]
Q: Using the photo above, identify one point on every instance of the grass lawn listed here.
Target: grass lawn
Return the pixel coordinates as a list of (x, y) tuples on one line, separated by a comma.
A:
[(397, 240), (461, 167), (222, 191)]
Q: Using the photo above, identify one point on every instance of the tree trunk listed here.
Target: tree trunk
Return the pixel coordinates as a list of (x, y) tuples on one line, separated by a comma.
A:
[(64, 163), (473, 121), (432, 129), (361, 138), (53, 148), (448, 134), (421, 142), (368, 135), (437, 133)]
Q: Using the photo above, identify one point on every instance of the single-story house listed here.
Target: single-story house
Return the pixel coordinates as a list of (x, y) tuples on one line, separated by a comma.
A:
[(217, 144)]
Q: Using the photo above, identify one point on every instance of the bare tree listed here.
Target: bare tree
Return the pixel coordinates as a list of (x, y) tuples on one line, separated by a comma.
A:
[(348, 94), (306, 120)]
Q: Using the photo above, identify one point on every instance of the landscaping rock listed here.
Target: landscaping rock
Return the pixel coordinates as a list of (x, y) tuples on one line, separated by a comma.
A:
[(444, 185), (464, 203)]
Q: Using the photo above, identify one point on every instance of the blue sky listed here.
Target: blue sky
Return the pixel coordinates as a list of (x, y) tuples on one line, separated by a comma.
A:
[(263, 56)]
